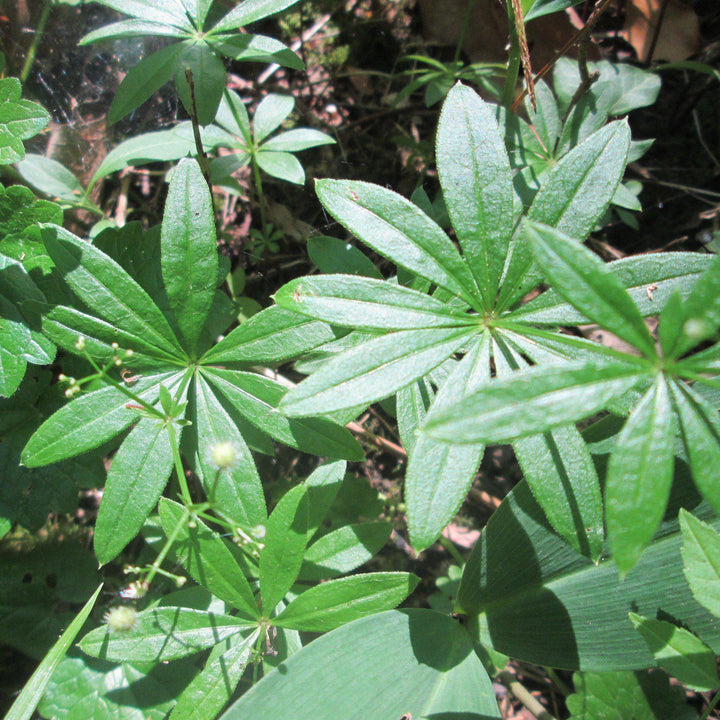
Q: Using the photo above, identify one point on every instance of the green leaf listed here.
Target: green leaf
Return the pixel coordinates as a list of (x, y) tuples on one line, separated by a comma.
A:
[(584, 280), (560, 472), (410, 662), (701, 558), (439, 473), (322, 486), (137, 477), (32, 692), (332, 255), (578, 190), (474, 173), (236, 489), (336, 602), (189, 250), (285, 541), (256, 398), (250, 11), (367, 304), (160, 634), (533, 597), (50, 177), (132, 29), (296, 140), (155, 11), (679, 653), (272, 336), (208, 76), (19, 120), (532, 401), (206, 558), (142, 81), (400, 231), (373, 370), (109, 291), (627, 696), (89, 421), (213, 687), (343, 550), (246, 47), (271, 111), (639, 476), (700, 432), (281, 165)]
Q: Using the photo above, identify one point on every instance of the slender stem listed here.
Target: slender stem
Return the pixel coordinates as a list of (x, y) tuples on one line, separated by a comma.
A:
[(30, 58), (179, 470), (711, 706), (202, 156), (155, 567), (259, 191), (452, 550), (463, 30), (524, 696), (559, 683), (514, 61)]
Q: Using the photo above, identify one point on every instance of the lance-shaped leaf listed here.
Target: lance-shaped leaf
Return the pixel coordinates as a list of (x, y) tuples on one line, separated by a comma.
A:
[(155, 11), (585, 281), (272, 336), (639, 476), (160, 634), (235, 489), (439, 473), (416, 663), (107, 289), (400, 231), (374, 370), (208, 78), (213, 687), (285, 541), (474, 172), (336, 602), (678, 652), (189, 250), (701, 558), (204, 555), (89, 421), (367, 304), (533, 401), (250, 11), (256, 398), (536, 599), (700, 431), (137, 477)]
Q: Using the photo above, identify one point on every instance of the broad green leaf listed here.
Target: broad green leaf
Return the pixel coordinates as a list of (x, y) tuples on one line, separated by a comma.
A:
[(584, 280), (213, 687), (285, 541), (701, 558), (474, 173), (560, 472), (143, 80), (367, 304), (439, 473), (250, 11), (272, 336), (296, 140), (281, 165), (50, 177), (400, 231), (627, 696), (271, 111), (236, 489), (132, 29), (257, 398), (639, 476), (343, 550), (416, 663), (332, 255), (245, 47), (700, 432), (578, 190), (204, 555), (109, 291), (137, 477), (679, 653), (336, 602), (322, 487), (208, 76), (155, 11), (19, 120), (189, 250), (533, 401), (373, 370), (649, 279), (89, 421), (670, 324), (12, 371), (160, 634), (540, 601), (32, 692)]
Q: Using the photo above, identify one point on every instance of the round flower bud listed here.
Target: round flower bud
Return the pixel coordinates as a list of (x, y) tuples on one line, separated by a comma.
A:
[(121, 618), (223, 454)]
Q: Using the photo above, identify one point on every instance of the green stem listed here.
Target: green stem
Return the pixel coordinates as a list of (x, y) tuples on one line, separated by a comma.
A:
[(202, 156), (561, 686), (711, 706), (30, 58), (463, 30), (452, 550), (155, 567), (514, 61), (179, 470), (260, 195)]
